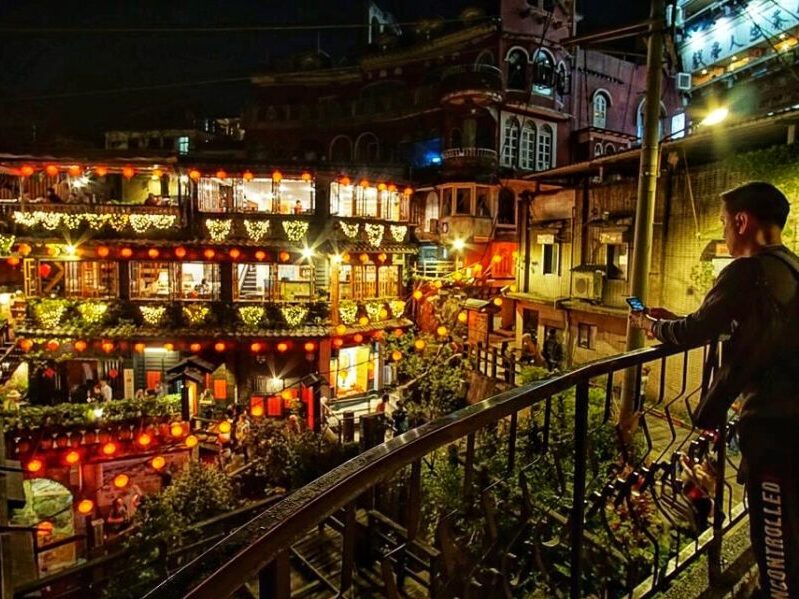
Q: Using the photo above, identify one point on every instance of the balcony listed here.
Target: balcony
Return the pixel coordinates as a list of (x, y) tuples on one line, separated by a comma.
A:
[(503, 532), (476, 229), (471, 84), (471, 161)]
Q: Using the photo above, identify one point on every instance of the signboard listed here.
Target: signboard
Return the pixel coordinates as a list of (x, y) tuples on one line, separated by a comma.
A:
[(545, 239), (611, 237), (759, 21)]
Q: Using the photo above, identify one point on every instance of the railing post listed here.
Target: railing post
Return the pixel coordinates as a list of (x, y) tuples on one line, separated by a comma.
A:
[(578, 492), (714, 550), (274, 581), (494, 362), (348, 548), (468, 470)]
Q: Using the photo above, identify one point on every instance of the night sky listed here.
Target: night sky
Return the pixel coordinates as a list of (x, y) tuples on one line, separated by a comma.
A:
[(68, 81)]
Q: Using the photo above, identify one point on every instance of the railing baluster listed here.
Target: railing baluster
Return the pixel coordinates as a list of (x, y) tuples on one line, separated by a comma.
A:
[(348, 548), (578, 492), (494, 363), (274, 580), (414, 500), (514, 421), (468, 470)]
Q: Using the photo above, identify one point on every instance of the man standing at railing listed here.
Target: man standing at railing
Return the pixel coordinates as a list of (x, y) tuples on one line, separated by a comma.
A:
[(755, 302)]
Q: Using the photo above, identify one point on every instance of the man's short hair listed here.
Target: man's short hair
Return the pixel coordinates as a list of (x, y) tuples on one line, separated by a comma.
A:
[(760, 199)]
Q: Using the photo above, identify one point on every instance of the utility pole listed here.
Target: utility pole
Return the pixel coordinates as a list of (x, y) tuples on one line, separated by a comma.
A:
[(645, 205)]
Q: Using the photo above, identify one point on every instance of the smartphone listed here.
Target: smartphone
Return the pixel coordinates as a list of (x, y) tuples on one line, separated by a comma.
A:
[(636, 305)]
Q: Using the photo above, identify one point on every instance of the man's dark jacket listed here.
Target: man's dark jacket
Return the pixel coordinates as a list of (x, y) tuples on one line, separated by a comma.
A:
[(756, 302)]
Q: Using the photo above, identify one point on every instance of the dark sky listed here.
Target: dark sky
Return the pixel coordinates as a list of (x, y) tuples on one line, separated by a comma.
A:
[(60, 78)]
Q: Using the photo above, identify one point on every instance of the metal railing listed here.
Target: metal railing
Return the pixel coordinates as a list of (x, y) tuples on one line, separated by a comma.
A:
[(434, 268), (486, 153), (501, 534)]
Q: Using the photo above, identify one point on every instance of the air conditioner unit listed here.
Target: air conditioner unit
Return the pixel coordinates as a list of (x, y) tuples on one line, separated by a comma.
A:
[(684, 82), (588, 285)]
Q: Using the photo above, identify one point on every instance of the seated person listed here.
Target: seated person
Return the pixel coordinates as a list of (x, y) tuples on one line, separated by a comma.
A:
[(152, 200), (52, 196), (203, 288)]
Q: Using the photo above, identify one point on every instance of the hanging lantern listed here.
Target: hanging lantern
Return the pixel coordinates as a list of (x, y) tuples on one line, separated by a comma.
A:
[(153, 253), (260, 255), (419, 344), (195, 347), (26, 170), (45, 270), (224, 427), (287, 395), (139, 348), (463, 317), (497, 301), (49, 373), (113, 373), (284, 256), (398, 333), (512, 288), (52, 345), (180, 252), (417, 294), (209, 254), (377, 335), (235, 253), (382, 257), (306, 176), (248, 176), (158, 462), (108, 346), (25, 344), (309, 346), (256, 347), (157, 174), (364, 258), (74, 171), (364, 183), (221, 174), (345, 181), (103, 251), (24, 249), (357, 338), (219, 346), (85, 506), (101, 171), (34, 466), (383, 314), (80, 346), (257, 411), (13, 261), (496, 258), (477, 267), (169, 346), (363, 321), (392, 188), (109, 448), (407, 191), (126, 252), (191, 441), (341, 329), (194, 174), (72, 457), (396, 355), (345, 258), (144, 439), (121, 481), (438, 284), (381, 186), (51, 170), (457, 276), (282, 347), (441, 331), (338, 342), (128, 172), (176, 430), (277, 177)]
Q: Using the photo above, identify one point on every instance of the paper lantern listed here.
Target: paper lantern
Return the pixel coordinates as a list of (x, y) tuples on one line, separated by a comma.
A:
[(103, 251), (169, 346), (309, 346), (109, 448), (306, 176), (284, 256), (108, 346), (338, 342), (341, 329), (139, 348), (221, 174), (24, 249), (26, 170), (496, 258), (158, 462), (417, 295), (34, 466), (191, 441), (195, 347), (53, 345), (80, 346), (176, 429), (392, 187), (363, 321), (407, 191), (209, 254), (497, 301), (248, 176), (128, 172), (13, 261), (157, 174), (457, 276), (219, 346), (345, 258), (25, 344), (256, 347), (126, 252), (364, 258), (441, 331), (144, 439), (396, 355), (260, 255), (277, 176), (180, 252), (85, 506), (121, 481), (45, 270), (419, 344), (101, 171), (257, 411), (74, 171), (377, 335), (194, 174), (235, 253), (357, 338), (153, 253), (382, 257), (282, 347), (381, 186), (72, 457), (345, 181), (477, 267), (438, 284), (224, 427), (287, 394), (463, 317), (51, 170), (49, 373), (383, 314)]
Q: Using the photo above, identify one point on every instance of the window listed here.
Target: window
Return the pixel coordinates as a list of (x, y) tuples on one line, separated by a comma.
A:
[(446, 201), (506, 209), (562, 80), (610, 149), (600, 119), (183, 144), (678, 126), (640, 118), (586, 335), (150, 280), (544, 149), (388, 281), (483, 202), (550, 254), (463, 201), (197, 280), (598, 150), (294, 282), (543, 73), (616, 260), (528, 141), (510, 147), (170, 280), (517, 69), (253, 280), (341, 199)]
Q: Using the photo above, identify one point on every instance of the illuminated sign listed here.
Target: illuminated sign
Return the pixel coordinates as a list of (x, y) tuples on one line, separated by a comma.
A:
[(759, 21)]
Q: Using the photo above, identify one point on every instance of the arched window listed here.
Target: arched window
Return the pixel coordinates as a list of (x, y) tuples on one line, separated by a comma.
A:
[(510, 145), (367, 148), (597, 150), (544, 148), (610, 149), (639, 120), (527, 147), (517, 69), (341, 149), (543, 73), (486, 57), (600, 105)]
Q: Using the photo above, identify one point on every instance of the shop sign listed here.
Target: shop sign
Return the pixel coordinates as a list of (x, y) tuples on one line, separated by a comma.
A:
[(545, 239), (611, 237)]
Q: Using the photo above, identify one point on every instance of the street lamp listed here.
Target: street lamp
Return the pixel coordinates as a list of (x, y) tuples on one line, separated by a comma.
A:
[(715, 116)]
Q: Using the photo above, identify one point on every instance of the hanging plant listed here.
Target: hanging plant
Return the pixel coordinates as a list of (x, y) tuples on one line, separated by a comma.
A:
[(293, 315), (256, 229), (26, 219), (51, 221), (397, 308), (118, 221), (153, 315), (218, 228), (162, 221), (295, 229), (347, 311), (374, 233), (251, 316), (48, 313), (92, 313), (195, 314), (373, 310), (398, 232), (6, 241), (350, 229), (140, 223), (95, 221)]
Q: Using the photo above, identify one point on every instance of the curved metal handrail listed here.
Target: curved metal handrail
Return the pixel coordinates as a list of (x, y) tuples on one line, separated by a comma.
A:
[(245, 552), (472, 68)]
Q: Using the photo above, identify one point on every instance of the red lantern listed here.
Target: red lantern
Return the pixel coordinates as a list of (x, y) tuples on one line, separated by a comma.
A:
[(157, 174), (209, 254), (49, 373), (345, 181), (72, 457), (26, 344), (24, 249), (86, 506), (310, 346), (13, 261), (74, 171), (256, 347), (194, 174), (53, 345), (26, 170), (277, 176), (103, 251), (408, 191), (364, 183), (153, 253), (80, 346), (107, 346), (235, 253), (101, 171), (169, 346), (45, 270), (392, 187), (195, 347), (221, 174), (113, 373), (126, 252), (180, 252), (139, 348), (306, 176), (260, 255), (284, 256), (109, 448), (247, 176), (282, 347), (358, 338), (219, 346), (144, 439), (51, 170), (381, 186), (338, 342), (128, 172)]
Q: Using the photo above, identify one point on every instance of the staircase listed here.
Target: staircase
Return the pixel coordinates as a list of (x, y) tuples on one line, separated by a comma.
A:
[(248, 283)]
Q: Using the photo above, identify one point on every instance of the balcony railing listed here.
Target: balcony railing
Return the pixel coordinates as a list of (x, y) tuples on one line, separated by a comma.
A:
[(477, 83), (485, 153), (627, 527), (434, 268)]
